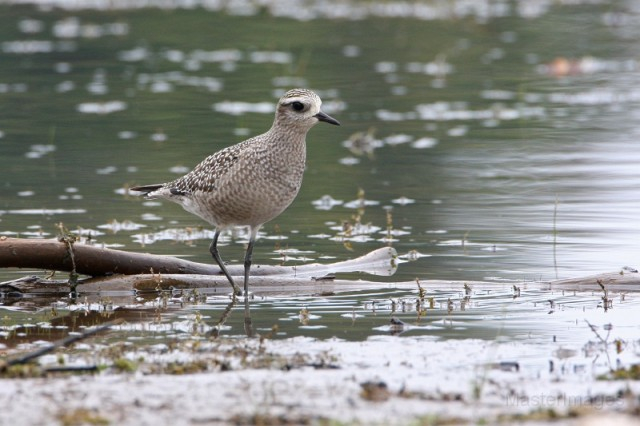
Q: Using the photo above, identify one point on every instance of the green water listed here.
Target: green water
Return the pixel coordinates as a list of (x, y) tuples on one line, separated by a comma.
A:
[(489, 160), (523, 162)]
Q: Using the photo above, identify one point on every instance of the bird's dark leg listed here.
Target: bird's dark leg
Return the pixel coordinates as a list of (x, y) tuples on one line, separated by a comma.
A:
[(213, 248), (247, 259)]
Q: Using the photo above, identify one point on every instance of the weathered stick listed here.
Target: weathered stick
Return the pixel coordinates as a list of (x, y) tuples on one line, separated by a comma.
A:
[(63, 342), (279, 284), (271, 284)]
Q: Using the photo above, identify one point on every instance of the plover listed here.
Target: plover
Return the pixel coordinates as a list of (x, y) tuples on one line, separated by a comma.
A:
[(252, 182)]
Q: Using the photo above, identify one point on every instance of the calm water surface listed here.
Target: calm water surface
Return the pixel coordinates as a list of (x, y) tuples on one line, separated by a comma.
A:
[(500, 142)]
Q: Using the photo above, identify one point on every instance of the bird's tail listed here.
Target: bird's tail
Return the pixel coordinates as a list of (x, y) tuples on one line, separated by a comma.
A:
[(146, 189)]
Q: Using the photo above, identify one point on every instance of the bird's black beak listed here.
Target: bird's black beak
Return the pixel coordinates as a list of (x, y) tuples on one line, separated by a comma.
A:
[(321, 116)]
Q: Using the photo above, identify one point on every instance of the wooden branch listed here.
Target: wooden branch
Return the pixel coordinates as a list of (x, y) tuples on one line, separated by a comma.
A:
[(290, 285), (97, 261), (260, 285), (23, 359), (90, 260)]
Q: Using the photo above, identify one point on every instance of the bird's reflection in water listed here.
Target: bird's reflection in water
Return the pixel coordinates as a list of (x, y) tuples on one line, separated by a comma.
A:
[(248, 324)]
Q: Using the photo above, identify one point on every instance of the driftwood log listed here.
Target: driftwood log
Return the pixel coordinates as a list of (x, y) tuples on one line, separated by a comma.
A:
[(84, 259), (117, 270), (55, 255)]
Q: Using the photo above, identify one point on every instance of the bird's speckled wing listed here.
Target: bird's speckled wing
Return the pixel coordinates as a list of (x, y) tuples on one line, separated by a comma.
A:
[(204, 177)]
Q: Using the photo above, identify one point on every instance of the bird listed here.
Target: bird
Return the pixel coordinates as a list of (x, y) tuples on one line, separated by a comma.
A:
[(251, 182)]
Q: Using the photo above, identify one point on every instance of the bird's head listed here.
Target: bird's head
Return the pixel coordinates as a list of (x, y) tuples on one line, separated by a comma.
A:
[(301, 108)]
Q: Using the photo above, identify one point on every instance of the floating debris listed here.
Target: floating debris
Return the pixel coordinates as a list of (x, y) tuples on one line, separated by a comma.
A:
[(62, 67), (65, 86), (385, 67), (126, 225), (403, 201), (413, 255), (179, 169), (459, 111), (13, 88), (189, 234), (320, 236), (28, 46), (360, 203), (294, 251), (38, 151), (351, 51), (332, 106), (436, 231), (262, 57), (361, 143), (159, 136), (101, 107), (134, 55), (437, 68), (424, 143), (87, 232), (349, 161), (46, 212), (275, 237), (457, 131), (497, 95), (164, 82), (72, 28), (127, 134), (394, 232), (222, 55), (30, 26), (70, 197), (326, 202), (397, 139), (284, 258), (107, 170)]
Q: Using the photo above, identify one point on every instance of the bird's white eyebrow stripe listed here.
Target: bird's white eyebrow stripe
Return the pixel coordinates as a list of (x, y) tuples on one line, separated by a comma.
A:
[(292, 100)]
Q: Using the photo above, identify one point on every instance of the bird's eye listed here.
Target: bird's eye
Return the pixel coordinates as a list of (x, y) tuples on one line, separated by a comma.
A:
[(297, 106)]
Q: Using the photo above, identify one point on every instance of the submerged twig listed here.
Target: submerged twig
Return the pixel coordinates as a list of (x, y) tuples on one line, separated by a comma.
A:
[(73, 369), (604, 341), (57, 344)]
